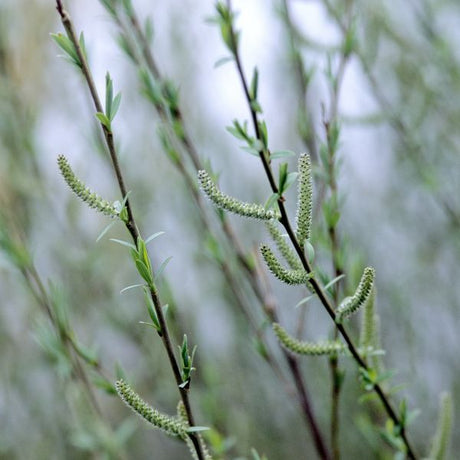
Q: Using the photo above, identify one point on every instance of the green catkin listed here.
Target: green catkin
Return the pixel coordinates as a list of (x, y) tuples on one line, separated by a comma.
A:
[(307, 348), (170, 425), (441, 438), (283, 274), (182, 415), (231, 204), (90, 198), (304, 200), (281, 243), (351, 304)]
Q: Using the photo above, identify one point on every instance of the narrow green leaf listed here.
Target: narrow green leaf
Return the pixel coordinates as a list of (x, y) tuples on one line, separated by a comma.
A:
[(106, 229), (335, 280), (222, 61), (115, 106), (144, 271), (81, 42), (305, 300), (104, 120), (162, 267), (196, 429), (251, 150), (281, 154), (127, 288), (108, 96), (290, 179), (282, 177), (253, 89), (271, 201), (152, 237), (124, 243)]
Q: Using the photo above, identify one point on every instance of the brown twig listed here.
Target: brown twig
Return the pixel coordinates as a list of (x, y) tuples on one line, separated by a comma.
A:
[(131, 225)]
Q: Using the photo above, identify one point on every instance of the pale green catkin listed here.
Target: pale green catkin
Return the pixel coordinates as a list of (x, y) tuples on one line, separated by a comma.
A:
[(281, 243), (359, 298), (307, 348), (283, 274), (231, 204), (170, 425), (304, 200), (90, 198)]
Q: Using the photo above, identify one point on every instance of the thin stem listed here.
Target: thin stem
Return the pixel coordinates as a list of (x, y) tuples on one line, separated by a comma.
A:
[(317, 288), (131, 224)]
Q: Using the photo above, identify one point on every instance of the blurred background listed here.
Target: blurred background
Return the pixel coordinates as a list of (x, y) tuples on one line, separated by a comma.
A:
[(398, 107)]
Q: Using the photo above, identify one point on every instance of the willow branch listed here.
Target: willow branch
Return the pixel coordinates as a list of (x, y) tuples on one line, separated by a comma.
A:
[(317, 288), (131, 224)]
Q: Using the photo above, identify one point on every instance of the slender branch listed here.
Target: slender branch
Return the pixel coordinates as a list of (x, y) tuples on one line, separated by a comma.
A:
[(317, 288), (131, 224)]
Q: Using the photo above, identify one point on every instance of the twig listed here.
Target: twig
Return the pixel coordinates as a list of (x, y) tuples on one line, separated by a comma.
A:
[(131, 224)]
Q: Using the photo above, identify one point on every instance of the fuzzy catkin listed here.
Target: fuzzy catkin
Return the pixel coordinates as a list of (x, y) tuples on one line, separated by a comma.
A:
[(360, 297), (78, 187), (304, 200), (283, 274), (281, 243), (231, 204), (170, 425), (307, 348)]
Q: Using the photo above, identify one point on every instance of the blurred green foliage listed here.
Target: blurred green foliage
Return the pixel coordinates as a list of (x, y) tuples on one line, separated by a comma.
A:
[(67, 334)]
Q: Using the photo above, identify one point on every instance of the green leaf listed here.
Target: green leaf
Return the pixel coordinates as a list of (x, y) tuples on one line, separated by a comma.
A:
[(144, 272), (67, 46), (263, 133), (124, 243), (151, 309), (281, 154), (282, 177), (222, 61), (304, 300), (291, 178), (104, 120), (104, 385), (162, 267), (152, 237), (115, 106), (253, 89), (255, 106), (335, 280), (310, 251), (106, 229), (251, 150), (127, 288), (196, 429), (108, 96), (271, 201), (81, 42)]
